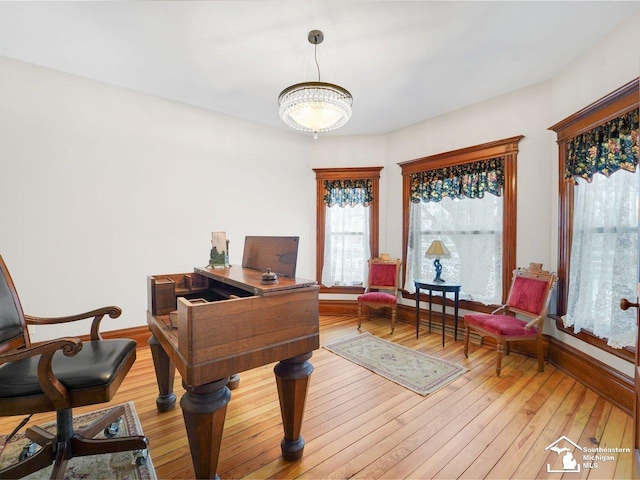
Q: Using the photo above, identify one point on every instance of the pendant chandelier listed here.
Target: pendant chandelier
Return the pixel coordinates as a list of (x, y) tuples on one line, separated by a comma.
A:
[(315, 106)]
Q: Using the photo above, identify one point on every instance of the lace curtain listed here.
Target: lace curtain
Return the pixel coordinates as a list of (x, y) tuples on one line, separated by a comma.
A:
[(347, 237), (450, 204), (604, 261), (604, 248)]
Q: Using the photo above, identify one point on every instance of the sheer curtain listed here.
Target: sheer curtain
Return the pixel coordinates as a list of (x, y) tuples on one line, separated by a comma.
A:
[(346, 245), (604, 260), (471, 228)]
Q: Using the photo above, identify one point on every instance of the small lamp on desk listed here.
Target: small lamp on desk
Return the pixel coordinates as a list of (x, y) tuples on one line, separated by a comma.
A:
[(437, 250)]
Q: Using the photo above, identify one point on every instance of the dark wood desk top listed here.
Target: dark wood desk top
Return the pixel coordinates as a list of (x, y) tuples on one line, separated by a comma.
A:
[(249, 279)]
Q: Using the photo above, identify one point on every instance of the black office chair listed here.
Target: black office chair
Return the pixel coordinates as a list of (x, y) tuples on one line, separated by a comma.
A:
[(58, 375)]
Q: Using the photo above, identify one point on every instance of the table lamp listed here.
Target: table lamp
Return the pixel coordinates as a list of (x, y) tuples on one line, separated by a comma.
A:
[(437, 250)]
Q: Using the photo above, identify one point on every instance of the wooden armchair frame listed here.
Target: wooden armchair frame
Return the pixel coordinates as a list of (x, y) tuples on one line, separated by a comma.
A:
[(528, 297), (382, 290), (18, 355)]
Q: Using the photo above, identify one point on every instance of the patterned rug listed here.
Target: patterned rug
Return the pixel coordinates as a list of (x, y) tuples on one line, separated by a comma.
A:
[(414, 370), (121, 465)]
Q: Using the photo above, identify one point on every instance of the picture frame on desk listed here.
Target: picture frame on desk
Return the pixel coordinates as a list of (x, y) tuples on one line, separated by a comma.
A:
[(219, 255)]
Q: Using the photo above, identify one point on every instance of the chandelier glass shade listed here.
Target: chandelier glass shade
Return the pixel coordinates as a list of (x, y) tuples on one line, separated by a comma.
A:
[(315, 106)]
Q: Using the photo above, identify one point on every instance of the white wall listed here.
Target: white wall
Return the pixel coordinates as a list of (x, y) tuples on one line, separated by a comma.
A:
[(607, 66), (101, 186), (524, 112)]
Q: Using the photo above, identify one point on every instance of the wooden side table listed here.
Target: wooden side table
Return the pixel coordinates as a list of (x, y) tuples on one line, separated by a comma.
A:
[(438, 287)]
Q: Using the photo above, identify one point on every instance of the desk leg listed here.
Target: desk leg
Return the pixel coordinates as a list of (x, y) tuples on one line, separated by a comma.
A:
[(204, 409), (234, 381), (417, 312), (292, 379), (444, 307), (165, 373)]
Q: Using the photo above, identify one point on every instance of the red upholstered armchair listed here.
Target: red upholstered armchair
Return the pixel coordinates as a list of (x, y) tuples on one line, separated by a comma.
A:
[(383, 275), (528, 297)]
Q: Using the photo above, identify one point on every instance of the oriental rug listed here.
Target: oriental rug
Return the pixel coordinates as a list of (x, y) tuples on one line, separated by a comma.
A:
[(409, 368), (120, 465)]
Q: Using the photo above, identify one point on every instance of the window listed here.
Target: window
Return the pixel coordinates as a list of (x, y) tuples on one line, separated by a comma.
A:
[(598, 216), (347, 221), (466, 226), (346, 235), (467, 198)]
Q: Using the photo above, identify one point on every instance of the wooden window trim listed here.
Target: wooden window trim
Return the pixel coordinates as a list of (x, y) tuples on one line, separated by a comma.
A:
[(346, 173), (506, 148), (607, 108)]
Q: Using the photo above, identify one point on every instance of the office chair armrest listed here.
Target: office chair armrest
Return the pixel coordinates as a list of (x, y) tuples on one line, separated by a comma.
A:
[(69, 346), (51, 386), (98, 314)]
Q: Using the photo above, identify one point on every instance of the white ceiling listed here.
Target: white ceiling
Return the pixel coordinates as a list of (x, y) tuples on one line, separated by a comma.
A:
[(403, 61)]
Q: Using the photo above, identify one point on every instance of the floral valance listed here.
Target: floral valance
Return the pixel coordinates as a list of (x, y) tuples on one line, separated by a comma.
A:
[(348, 192), (470, 180), (605, 149)]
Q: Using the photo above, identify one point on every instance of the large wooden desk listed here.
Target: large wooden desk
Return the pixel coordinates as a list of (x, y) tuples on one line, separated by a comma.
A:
[(228, 322)]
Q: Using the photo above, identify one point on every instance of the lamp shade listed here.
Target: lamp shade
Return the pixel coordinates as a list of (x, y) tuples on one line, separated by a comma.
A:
[(437, 249)]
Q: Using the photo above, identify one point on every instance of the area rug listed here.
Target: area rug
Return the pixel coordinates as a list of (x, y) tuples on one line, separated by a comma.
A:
[(409, 368), (121, 465)]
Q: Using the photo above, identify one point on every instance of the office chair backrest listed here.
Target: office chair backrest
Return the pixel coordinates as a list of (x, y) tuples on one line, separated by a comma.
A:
[(13, 328)]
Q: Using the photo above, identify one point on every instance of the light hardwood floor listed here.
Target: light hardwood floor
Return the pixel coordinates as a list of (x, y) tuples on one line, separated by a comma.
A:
[(360, 425)]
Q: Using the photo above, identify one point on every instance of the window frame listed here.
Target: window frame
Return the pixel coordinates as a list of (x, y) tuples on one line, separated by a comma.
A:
[(609, 107), (345, 173), (507, 149)]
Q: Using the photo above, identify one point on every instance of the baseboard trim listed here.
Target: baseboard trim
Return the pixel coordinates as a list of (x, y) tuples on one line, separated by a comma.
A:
[(338, 307), (139, 334), (607, 382)]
